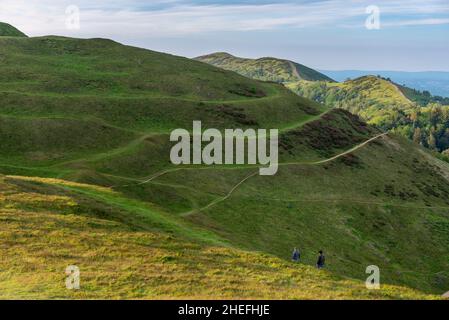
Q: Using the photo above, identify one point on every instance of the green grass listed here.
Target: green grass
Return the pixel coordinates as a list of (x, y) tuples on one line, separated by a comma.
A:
[(100, 113), (7, 30), (416, 115), (44, 233), (405, 111), (266, 69), (363, 208)]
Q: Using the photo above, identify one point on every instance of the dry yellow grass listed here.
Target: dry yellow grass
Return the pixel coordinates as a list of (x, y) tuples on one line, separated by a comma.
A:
[(117, 263)]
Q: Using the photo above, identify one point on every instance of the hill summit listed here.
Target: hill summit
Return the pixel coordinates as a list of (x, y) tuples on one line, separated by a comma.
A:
[(7, 30), (266, 69)]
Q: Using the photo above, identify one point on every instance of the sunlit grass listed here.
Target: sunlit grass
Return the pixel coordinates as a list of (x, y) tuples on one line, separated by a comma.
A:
[(119, 263)]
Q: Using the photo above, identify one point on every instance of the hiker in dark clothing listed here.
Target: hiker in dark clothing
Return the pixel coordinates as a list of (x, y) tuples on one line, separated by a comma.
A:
[(321, 260), (296, 255)]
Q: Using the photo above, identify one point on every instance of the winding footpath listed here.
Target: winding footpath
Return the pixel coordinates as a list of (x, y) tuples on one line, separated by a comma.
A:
[(240, 183), (219, 200)]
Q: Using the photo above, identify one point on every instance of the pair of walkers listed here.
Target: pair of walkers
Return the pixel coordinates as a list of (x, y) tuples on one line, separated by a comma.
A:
[(296, 256)]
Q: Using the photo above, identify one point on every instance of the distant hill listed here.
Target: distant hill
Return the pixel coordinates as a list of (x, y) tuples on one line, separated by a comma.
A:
[(266, 69), (365, 96), (436, 82), (378, 100), (414, 114), (7, 30), (87, 180)]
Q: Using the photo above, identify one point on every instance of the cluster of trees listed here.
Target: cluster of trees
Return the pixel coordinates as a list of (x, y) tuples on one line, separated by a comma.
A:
[(428, 126)]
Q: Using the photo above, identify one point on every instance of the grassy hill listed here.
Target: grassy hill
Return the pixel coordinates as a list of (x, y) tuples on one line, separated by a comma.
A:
[(266, 69), (50, 224), (87, 180), (373, 98), (6, 30), (413, 114), (416, 115)]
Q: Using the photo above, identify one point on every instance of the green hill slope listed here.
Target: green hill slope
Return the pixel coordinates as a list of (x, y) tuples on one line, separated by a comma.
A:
[(7, 30), (98, 112), (123, 102), (120, 256), (373, 98), (266, 69), (415, 115)]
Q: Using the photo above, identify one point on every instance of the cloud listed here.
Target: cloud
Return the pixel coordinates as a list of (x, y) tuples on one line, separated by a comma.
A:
[(168, 18), (418, 22)]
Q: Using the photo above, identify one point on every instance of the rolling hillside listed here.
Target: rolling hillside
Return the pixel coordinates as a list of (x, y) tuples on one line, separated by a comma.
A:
[(47, 225), (436, 82), (86, 180), (416, 115), (374, 99), (266, 69)]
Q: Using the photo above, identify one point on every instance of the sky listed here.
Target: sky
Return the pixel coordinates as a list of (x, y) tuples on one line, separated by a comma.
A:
[(402, 35)]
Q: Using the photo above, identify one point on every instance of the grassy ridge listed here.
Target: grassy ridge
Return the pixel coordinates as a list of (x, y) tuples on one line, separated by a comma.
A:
[(374, 99), (74, 104), (266, 69), (387, 105)]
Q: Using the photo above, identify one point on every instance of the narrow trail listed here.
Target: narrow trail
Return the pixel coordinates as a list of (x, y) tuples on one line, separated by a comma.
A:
[(219, 200), (229, 194), (399, 91), (288, 128), (336, 156), (294, 70), (270, 96), (300, 124), (159, 174)]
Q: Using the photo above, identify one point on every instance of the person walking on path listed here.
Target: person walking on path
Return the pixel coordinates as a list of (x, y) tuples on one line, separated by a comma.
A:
[(296, 255), (321, 260)]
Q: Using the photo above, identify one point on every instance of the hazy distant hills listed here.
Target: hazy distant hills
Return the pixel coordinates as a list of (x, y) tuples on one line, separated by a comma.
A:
[(266, 69), (434, 81)]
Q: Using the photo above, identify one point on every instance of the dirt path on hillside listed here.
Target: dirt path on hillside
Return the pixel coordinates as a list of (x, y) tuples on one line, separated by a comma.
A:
[(402, 93), (221, 199), (288, 128), (215, 202), (295, 71), (336, 156)]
